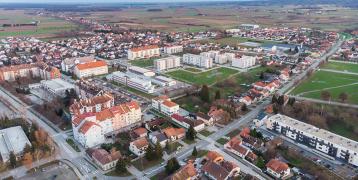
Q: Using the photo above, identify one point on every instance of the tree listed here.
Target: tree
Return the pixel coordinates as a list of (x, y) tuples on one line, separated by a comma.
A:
[(149, 153), (172, 165), (121, 166), (27, 148), (325, 95), (262, 75), (260, 163), (343, 96), (291, 101), (195, 152), (274, 99), (12, 159), (158, 150), (244, 107), (27, 160), (204, 93), (281, 100), (191, 133), (217, 94)]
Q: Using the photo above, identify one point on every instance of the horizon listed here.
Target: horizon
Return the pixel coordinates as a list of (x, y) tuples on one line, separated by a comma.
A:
[(111, 1)]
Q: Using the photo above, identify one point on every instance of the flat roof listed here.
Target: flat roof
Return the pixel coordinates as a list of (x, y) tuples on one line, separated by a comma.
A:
[(12, 139), (58, 84), (317, 132), (139, 69), (163, 79)]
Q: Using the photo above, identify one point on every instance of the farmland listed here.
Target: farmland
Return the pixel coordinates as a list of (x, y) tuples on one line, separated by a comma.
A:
[(323, 81), (47, 26), (208, 77)]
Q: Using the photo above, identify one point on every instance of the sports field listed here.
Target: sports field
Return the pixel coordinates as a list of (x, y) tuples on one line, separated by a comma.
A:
[(207, 77), (335, 83), (341, 66)]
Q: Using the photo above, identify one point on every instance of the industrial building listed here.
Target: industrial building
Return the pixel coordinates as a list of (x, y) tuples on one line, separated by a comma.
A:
[(14, 140)]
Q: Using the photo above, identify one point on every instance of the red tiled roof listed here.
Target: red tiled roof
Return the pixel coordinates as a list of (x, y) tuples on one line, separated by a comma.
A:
[(277, 166), (169, 103), (86, 126), (144, 48), (104, 157), (140, 131), (91, 65), (140, 143)]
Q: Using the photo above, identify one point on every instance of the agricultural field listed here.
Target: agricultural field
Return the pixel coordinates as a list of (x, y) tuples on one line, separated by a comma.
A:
[(195, 18), (341, 66), (47, 26), (323, 81), (208, 77)]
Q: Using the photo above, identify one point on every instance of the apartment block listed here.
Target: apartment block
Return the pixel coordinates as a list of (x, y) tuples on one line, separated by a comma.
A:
[(143, 52), (164, 105), (89, 69), (198, 60), (173, 49), (167, 63), (243, 62)]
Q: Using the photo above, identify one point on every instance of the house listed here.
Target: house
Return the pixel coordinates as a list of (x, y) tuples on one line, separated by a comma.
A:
[(214, 157), (235, 146), (278, 169), (157, 136), (198, 125), (91, 69), (252, 157), (187, 172), (174, 133), (205, 118), (105, 160), (220, 171), (155, 123), (246, 100), (139, 146), (217, 114), (164, 105), (140, 132), (260, 119)]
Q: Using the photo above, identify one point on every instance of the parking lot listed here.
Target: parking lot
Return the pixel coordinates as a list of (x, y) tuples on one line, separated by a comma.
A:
[(52, 172)]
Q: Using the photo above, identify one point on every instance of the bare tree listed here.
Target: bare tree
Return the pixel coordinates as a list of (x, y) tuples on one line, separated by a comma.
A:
[(343, 96)]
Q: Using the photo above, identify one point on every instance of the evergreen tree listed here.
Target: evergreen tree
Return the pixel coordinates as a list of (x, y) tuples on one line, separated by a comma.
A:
[(260, 163), (191, 133), (281, 100), (158, 150), (149, 153), (205, 94), (172, 165), (121, 166), (195, 152), (217, 94), (12, 159), (291, 101)]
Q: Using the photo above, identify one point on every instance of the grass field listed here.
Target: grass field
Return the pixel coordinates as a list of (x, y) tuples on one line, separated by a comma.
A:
[(335, 83), (195, 70), (143, 62), (341, 66), (207, 77)]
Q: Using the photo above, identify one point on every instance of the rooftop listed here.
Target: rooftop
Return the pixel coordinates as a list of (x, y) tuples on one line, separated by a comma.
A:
[(91, 65), (12, 139)]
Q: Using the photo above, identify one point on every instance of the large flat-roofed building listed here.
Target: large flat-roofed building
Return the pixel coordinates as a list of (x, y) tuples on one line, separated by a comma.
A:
[(141, 71), (243, 62), (198, 60), (167, 63), (322, 140), (89, 69), (163, 81), (143, 52), (173, 49), (57, 86), (133, 82), (14, 140)]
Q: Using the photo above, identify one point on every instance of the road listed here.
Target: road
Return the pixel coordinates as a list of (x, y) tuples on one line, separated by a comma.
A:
[(326, 102)]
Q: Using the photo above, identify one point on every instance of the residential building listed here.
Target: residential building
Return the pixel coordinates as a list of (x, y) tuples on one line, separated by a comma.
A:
[(214, 157), (12, 139), (104, 159), (187, 172), (235, 146), (39, 69), (216, 168), (173, 49), (143, 52), (156, 137), (244, 62), (133, 82), (198, 125), (141, 71), (68, 64), (198, 60), (260, 119), (139, 146), (217, 114), (218, 57), (205, 118), (322, 140), (89, 69), (174, 133), (278, 169), (140, 132), (164, 105), (166, 63), (94, 104), (57, 86), (90, 128)]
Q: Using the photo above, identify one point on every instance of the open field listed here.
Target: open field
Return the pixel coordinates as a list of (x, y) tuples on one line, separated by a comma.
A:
[(207, 77), (341, 66), (47, 27), (194, 18), (322, 80), (143, 62)]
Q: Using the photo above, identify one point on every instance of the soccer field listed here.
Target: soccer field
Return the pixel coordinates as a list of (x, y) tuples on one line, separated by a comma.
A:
[(207, 77), (335, 83), (341, 66)]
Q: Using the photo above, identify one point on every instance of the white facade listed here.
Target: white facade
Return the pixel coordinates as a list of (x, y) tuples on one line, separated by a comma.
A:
[(141, 71), (164, 105), (164, 81), (244, 62), (173, 49), (133, 82), (143, 52), (167, 63), (91, 69), (198, 60)]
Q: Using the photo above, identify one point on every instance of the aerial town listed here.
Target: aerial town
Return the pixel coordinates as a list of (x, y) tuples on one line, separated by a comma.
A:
[(99, 99)]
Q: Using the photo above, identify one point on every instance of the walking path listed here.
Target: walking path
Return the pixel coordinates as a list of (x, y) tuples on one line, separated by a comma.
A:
[(318, 90), (337, 71), (325, 102)]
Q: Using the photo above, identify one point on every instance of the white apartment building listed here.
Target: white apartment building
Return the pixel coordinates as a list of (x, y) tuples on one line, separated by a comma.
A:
[(322, 140), (166, 63), (218, 57), (244, 62), (94, 104), (89, 129), (133, 82), (198, 60), (143, 52), (164, 105), (173, 49), (68, 64), (91, 69)]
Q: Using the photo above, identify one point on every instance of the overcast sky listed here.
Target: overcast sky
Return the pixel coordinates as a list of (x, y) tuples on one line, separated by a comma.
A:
[(101, 1)]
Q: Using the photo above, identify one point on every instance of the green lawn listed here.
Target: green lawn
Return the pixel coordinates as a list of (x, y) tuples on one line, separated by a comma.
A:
[(322, 79), (206, 133), (195, 70), (207, 77), (341, 66), (73, 145), (143, 62), (115, 173), (172, 147), (222, 141), (188, 141)]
